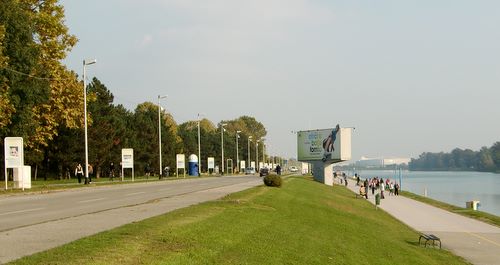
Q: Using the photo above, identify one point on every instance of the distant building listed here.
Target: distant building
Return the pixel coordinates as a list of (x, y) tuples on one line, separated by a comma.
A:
[(381, 162)]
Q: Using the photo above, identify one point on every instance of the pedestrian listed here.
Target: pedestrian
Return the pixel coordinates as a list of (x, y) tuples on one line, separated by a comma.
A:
[(278, 169), (111, 171), (345, 180), (382, 188), (147, 170), (373, 184), (391, 188), (396, 189), (91, 172), (79, 172), (357, 179), (366, 188)]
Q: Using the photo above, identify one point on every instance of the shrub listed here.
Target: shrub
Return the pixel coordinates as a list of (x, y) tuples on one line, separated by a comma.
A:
[(273, 181)]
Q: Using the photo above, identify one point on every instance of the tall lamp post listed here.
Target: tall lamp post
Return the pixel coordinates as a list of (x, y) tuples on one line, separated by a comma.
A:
[(159, 132), (257, 154), (237, 155), (85, 63), (248, 157), (199, 146), (222, 144)]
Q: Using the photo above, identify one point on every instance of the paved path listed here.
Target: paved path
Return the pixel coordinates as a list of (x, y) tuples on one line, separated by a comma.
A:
[(34, 223), (476, 241)]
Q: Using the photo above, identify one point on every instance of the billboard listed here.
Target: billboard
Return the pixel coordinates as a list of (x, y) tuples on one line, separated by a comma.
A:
[(181, 161), (327, 145), (211, 162), (127, 158), (14, 152)]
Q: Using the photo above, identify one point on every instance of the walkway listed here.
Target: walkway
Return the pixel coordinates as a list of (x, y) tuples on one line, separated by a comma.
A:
[(476, 241)]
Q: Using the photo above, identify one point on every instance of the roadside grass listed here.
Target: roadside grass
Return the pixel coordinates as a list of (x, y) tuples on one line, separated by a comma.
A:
[(303, 222), (481, 216)]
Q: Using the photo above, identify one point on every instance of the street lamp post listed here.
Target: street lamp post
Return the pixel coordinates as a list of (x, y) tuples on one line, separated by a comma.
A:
[(159, 132), (222, 144), (248, 157), (237, 155), (199, 146), (257, 155), (85, 63)]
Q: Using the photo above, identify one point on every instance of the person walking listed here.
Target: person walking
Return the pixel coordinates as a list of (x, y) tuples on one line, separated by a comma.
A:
[(366, 188), (382, 188), (91, 171), (396, 189), (111, 171), (79, 172)]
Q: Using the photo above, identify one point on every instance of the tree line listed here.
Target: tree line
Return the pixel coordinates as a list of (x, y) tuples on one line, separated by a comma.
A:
[(42, 101), (486, 160)]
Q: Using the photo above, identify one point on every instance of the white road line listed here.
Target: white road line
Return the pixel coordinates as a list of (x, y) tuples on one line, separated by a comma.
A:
[(135, 193), (92, 200), (21, 211)]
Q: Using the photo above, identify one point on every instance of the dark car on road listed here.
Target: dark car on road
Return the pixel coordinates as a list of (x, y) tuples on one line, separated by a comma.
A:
[(264, 171)]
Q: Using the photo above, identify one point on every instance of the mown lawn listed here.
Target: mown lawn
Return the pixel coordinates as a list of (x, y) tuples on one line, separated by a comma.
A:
[(303, 222)]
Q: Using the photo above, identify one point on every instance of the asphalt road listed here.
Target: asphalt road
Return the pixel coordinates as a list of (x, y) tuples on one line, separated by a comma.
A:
[(33, 223)]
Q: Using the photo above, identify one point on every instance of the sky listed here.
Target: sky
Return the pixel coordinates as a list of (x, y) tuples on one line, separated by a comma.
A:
[(410, 76)]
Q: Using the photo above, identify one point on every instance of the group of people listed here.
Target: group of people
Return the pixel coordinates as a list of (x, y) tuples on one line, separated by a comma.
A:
[(80, 173), (377, 183)]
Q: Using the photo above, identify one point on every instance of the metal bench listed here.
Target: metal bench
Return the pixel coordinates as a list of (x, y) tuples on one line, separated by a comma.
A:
[(431, 238)]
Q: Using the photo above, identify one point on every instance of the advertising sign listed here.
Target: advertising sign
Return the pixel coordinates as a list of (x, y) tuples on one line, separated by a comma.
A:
[(211, 163), (242, 164), (128, 158), (14, 152), (327, 145), (181, 161)]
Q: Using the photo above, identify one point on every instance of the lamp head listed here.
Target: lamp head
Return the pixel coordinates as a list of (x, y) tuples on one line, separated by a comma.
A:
[(88, 62)]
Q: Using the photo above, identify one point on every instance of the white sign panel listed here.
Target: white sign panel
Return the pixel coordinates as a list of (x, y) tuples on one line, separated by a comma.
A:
[(327, 145), (211, 163), (128, 158), (252, 164), (181, 161), (14, 152), (242, 164)]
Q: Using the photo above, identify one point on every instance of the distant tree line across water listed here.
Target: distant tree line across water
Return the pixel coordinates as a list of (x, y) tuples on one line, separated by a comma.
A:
[(486, 160)]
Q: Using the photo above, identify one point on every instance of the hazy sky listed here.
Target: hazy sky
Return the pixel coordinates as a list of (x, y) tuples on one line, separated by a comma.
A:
[(411, 76)]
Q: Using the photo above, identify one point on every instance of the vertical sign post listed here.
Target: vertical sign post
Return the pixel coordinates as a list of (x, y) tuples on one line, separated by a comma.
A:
[(14, 156), (211, 164), (127, 161), (181, 164)]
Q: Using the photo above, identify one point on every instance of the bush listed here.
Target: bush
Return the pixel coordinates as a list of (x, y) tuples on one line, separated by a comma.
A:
[(273, 181)]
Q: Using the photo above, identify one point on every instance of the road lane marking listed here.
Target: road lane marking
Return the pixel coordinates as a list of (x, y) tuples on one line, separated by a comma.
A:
[(135, 193), (92, 200), (21, 211)]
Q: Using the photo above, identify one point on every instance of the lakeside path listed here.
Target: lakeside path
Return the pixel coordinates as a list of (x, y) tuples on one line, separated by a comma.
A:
[(474, 240)]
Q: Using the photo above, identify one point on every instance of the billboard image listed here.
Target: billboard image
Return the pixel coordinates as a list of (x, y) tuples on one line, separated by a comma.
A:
[(327, 145)]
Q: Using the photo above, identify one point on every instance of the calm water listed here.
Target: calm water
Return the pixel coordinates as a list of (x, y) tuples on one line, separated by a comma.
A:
[(451, 187)]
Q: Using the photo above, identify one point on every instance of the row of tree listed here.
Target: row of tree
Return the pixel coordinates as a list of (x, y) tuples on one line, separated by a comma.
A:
[(486, 159), (42, 101)]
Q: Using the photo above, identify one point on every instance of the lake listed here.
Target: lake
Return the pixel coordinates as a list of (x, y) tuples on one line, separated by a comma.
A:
[(451, 187)]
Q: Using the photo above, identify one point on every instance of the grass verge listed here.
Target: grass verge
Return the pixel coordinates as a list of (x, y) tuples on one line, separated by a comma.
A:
[(303, 222), (481, 216)]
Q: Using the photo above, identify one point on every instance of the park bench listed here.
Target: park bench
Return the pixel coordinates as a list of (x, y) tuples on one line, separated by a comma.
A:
[(431, 238)]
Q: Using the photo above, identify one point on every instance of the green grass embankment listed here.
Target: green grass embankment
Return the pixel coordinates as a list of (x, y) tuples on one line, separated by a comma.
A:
[(303, 222), (481, 216)]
